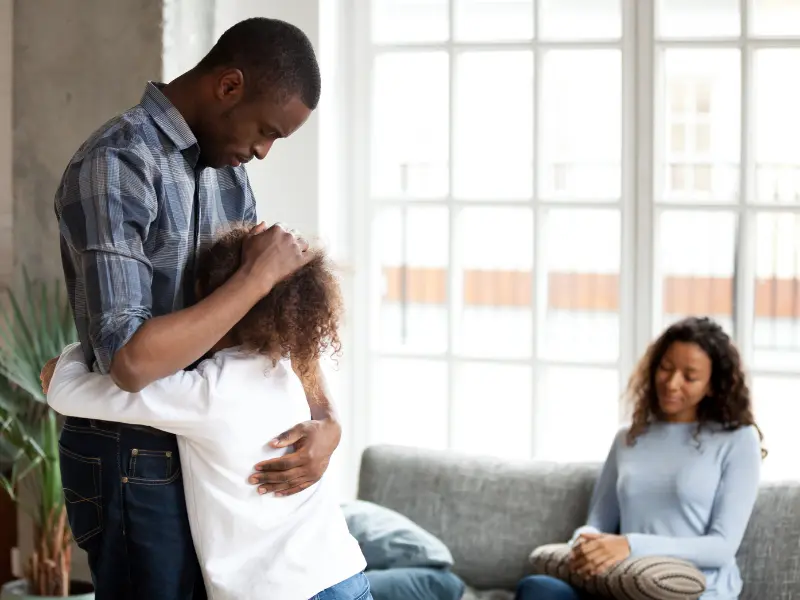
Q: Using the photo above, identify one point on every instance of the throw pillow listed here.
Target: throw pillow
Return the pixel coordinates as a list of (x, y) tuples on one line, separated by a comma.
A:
[(390, 540), (415, 584), (644, 578)]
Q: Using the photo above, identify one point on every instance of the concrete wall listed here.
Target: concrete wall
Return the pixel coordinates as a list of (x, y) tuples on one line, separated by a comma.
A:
[(6, 142), (76, 64)]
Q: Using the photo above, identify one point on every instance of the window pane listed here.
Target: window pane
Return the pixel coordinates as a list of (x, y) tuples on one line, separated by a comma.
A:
[(700, 125), (695, 266), (412, 246), (690, 18), (409, 405), (777, 127), (494, 146), (409, 128), (493, 20), (580, 19), (776, 403), (492, 398), (579, 296), (496, 255), (777, 303), (562, 394), (581, 127), (397, 21), (776, 17)]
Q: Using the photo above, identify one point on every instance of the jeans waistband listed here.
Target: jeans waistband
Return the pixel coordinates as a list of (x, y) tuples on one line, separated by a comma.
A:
[(112, 427)]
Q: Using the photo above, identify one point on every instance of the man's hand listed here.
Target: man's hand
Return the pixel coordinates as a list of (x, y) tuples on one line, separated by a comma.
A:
[(47, 373), (270, 255), (314, 443), (595, 553)]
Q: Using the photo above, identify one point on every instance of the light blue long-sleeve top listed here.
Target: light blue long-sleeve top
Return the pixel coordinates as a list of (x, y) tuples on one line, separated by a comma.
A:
[(675, 495)]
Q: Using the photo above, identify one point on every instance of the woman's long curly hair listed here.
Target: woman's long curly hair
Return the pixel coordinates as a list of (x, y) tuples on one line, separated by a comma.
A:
[(298, 320), (728, 402)]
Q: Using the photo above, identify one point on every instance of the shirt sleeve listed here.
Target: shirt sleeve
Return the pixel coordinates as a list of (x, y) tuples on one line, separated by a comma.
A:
[(180, 403), (733, 504), (604, 505), (103, 225)]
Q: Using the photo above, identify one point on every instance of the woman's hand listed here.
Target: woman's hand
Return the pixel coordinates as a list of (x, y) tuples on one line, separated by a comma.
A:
[(595, 553)]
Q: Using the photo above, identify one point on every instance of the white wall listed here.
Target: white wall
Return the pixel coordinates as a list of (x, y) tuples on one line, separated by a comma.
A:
[(304, 181), (286, 185)]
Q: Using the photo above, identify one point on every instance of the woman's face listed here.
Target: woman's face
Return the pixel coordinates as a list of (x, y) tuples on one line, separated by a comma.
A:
[(683, 379)]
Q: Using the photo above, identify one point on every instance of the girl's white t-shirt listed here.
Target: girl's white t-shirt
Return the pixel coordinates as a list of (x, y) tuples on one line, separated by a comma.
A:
[(225, 413)]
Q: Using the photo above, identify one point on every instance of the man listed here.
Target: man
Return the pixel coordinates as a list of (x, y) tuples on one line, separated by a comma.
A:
[(137, 203)]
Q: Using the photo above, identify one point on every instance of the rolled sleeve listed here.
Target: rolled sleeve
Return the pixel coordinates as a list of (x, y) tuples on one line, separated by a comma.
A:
[(104, 227)]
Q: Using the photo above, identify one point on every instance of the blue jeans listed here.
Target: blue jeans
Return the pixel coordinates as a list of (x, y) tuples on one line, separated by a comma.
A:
[(126, 507), (354, 588), (542, 587)]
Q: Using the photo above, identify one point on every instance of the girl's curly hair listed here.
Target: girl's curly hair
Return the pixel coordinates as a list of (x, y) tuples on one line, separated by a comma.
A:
[(728, 403), (298, 320)]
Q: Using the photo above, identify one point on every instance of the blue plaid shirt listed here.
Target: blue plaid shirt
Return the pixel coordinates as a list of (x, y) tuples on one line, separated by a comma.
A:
[(134, 210)]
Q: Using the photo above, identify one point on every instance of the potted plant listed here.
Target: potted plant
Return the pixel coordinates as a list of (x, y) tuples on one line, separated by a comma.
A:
[(34, 329)]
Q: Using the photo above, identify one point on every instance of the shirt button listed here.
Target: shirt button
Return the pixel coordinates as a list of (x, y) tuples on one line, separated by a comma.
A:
[(169, 454), (124, 480), (134, 452)]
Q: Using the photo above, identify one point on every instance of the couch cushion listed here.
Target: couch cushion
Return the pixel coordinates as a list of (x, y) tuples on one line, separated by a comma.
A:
[(769, 556), (643, 578), (489, 512), (389, 540)]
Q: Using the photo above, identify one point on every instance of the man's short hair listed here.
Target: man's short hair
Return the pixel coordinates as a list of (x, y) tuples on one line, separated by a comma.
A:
[(276, 55)]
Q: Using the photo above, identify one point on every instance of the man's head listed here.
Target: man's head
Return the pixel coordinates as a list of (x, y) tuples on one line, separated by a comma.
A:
[(299, 319), (259, 83)]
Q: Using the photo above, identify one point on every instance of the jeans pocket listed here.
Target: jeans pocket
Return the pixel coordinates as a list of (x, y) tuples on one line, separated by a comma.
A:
[(80, 478), (153, 467)]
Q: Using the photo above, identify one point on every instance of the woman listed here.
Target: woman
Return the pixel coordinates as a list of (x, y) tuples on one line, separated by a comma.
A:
[(262, 374), (682, 480)]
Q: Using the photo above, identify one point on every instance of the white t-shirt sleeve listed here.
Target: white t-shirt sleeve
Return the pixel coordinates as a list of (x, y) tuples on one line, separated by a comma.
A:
[(177, 404)]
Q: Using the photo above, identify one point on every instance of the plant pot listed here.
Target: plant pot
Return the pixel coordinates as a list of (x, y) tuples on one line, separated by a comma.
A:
[(18, 590)]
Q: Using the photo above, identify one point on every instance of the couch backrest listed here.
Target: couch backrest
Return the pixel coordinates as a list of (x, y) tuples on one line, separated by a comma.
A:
[(491, 513)]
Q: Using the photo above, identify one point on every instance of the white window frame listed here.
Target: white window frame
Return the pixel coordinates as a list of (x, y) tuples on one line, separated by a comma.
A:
[(640, 285)]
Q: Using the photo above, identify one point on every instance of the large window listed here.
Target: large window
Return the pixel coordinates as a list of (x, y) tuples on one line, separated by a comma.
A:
[(546, 185)]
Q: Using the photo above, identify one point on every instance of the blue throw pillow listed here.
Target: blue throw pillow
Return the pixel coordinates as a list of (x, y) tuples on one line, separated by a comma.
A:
[(390, 540), (415, 584)]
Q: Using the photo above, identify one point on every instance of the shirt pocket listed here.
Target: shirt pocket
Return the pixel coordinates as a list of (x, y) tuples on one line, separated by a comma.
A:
[(153, 467)]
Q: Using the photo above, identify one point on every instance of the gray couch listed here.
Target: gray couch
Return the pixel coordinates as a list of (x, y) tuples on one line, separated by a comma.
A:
[(491, 513)]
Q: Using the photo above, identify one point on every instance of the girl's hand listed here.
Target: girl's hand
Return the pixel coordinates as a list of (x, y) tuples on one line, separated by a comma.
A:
[(47, 373)]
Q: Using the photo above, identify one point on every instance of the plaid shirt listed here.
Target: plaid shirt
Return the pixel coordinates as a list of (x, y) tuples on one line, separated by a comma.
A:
[(134, 210)]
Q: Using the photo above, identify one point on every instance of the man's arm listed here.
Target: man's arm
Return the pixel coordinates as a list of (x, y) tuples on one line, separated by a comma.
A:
[(177, 404), (105, 228), (314, 443)]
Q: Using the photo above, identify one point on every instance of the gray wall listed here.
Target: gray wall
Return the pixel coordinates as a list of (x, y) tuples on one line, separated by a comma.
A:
[(76, 63)]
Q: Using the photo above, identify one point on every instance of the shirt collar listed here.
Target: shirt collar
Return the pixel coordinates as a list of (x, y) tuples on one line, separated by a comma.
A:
[(169, 119)]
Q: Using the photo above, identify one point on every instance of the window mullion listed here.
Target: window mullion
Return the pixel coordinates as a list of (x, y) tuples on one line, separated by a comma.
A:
[(744, 278), (454, 284), (537, 264), (644, 235)]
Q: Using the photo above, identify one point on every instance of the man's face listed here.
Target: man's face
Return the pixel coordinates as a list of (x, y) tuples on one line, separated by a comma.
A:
[(237, 127)]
